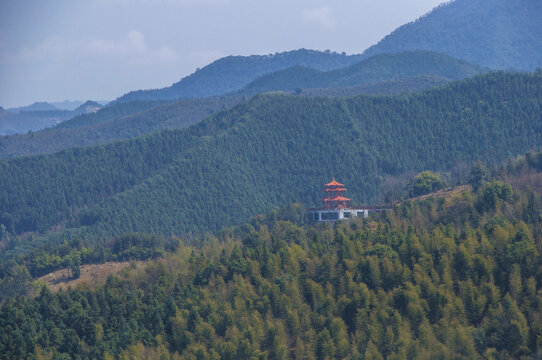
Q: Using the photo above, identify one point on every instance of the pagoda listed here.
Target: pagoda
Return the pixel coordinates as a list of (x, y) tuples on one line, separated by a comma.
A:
[(337, 207), (334, 196)]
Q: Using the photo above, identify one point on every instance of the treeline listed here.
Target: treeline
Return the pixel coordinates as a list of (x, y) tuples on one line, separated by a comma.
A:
[(440, 278), (265, 152)]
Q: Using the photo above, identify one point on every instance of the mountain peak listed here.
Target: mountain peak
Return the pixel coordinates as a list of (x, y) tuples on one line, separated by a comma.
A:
[(500, 34), (89, 106)]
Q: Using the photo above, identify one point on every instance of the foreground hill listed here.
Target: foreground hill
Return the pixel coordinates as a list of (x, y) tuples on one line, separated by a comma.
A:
[(500, 34), (267, 151), (452, 278), (231, 73), (379, 68)]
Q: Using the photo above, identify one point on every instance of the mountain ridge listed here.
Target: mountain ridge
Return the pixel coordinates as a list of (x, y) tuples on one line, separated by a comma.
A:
[(231, 73)]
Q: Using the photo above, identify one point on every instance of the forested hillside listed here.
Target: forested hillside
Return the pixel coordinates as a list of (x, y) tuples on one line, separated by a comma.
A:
[(116, 122), (500, 34), (231, 73), (378, 68), (268, 151), (455, 278)]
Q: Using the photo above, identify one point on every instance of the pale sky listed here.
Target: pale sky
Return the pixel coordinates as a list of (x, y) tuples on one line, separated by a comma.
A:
[(53, 50)]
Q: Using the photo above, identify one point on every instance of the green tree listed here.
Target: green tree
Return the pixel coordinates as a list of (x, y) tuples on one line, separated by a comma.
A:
[(424, 183)]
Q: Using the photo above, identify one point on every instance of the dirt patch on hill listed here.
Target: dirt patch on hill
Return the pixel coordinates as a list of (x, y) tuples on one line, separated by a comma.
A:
[(445, 193), (91, 275)]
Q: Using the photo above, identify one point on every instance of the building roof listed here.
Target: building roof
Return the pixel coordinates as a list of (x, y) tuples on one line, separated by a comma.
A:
[(335, 189), (334, 183), (336, 198)]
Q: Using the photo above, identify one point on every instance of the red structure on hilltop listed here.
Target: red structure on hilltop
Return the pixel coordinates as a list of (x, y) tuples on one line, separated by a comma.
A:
[(335, 198)]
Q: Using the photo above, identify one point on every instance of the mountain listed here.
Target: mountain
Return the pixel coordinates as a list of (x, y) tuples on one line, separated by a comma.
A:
[(500, 34), (115, 122), (267, 151), (88, 107), (231, 73), (4, 112), (37, 106), (378, 68), (69, 105)]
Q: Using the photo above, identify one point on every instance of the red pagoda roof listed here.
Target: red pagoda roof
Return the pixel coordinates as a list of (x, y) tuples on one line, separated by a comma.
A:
[(334, 183), (335, 189), (336, 198)]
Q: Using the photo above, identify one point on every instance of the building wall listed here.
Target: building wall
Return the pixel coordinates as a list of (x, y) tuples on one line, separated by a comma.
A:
[(334, 215)]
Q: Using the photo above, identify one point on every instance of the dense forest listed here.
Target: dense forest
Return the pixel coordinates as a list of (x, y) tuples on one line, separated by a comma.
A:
[(500, 34), (450, 278), (231, 73), (384, 67), (262, 153)]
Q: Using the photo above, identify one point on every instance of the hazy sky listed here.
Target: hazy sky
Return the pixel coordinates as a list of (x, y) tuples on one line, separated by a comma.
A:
[(52, 50)]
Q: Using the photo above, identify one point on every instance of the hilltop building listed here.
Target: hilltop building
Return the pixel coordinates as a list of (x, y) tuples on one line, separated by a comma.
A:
[(337, 207)]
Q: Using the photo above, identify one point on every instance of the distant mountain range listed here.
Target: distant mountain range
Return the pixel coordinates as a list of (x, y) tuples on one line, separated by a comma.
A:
[(115, 122), (231, 73), (74, 104), (383, 74), (41, 115), (62, 105), (37, 106), (500, 34), (378, 68)]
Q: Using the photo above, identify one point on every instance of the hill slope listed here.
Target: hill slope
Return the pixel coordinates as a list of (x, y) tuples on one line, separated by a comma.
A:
[(378, 68), (267, 151), (500, 34), (231, 73), (435, 279)]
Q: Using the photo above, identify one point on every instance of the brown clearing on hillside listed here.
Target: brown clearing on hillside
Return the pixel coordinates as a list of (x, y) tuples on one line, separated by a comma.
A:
[(445, 193), (91, 275)]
